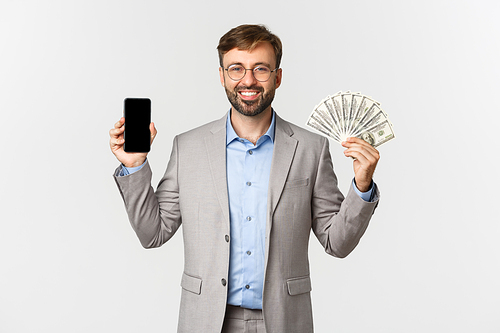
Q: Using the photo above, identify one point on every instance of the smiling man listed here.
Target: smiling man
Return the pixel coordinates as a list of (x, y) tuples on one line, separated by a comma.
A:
[(248, 189), (250, 95)]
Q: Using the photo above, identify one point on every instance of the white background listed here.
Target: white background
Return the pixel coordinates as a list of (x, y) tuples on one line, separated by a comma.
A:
[(69, 260)]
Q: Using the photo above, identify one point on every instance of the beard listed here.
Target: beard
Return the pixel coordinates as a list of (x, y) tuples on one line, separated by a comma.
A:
[(250, 108)]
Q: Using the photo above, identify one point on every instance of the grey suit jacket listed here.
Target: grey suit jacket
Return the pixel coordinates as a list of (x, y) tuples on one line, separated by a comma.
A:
[(303, 195)]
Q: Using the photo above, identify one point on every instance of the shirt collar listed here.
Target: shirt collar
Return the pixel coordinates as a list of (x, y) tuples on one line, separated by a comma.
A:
[(231, 134)]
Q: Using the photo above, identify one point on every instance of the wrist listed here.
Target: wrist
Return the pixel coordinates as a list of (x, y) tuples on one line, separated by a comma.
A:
[(363, 186), (134, 164)]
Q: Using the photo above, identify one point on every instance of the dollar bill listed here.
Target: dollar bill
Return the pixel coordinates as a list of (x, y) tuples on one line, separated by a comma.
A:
[(323, 113), (365, 105), (378, 134), (366, 117), (333, 114), (320, 126), (357, 98), (348, 114), (346, 109), (337, 104)]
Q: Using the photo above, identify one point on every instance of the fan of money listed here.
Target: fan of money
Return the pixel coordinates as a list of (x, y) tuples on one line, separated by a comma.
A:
[(347, 114)]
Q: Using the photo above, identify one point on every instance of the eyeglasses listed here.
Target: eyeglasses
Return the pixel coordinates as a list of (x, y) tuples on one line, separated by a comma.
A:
[(260, 73)]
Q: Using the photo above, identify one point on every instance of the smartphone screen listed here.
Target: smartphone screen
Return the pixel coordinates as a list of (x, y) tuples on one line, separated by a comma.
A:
[(137, 113)]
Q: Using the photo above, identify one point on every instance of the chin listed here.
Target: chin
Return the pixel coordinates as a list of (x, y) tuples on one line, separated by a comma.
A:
[(250, 108), (244, 110)]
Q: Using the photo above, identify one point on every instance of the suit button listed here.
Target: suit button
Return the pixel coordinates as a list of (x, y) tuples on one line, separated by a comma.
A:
[(247, 286), (227, 238), (223, 281)]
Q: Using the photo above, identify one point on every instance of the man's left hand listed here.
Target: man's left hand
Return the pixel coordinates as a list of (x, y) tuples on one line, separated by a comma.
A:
[(365, 161)]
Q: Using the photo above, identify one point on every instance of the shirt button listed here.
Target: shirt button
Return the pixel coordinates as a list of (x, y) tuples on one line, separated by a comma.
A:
[(227, 238), (250, 152), (247, 286), (241, 140), (249, 183), (249, 252), (249, 218), (223, 281)]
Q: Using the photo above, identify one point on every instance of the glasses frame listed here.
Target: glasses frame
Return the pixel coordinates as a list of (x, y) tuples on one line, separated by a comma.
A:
[(249, 69)]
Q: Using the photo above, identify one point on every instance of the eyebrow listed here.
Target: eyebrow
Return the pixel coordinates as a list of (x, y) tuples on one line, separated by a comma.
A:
[(254, 65)]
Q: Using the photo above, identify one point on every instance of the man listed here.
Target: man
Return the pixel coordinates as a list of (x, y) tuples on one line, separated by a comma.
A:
[(248, 188)]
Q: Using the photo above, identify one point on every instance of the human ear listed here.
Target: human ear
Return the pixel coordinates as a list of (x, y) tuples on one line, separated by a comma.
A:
[(279, 75), (221, 74)]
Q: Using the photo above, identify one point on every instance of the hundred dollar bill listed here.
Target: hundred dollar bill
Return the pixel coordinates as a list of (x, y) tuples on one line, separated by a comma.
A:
[(378, 134), (317, 122), (357, 98), (333, 116), (365, 105), (321, 127), (369, 113), (351, 114), (334, 111), (346, 109), (337, 104), (378, 118), (322, 112)]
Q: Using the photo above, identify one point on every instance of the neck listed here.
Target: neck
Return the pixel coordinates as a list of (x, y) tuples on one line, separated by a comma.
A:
[(251, 127)]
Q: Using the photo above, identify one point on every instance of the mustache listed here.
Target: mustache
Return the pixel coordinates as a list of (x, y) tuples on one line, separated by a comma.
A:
[(256, 88)]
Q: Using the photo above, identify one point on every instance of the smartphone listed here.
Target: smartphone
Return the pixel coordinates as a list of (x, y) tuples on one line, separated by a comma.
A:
[(137, 113)]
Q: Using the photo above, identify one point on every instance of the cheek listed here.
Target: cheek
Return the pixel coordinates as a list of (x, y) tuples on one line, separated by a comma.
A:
[(229, 85), (269, 89), (230, 89)]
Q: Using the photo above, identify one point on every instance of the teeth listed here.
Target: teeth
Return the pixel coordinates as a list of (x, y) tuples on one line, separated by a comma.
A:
[(248, 93)]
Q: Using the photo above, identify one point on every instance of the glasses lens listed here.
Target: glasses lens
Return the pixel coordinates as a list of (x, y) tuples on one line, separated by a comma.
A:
[(236, 72), (261, 73)]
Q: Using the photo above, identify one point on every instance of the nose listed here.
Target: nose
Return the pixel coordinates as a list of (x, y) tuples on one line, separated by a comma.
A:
[(248, 80)]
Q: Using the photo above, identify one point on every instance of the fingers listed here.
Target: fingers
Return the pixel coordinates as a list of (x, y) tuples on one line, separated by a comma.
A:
[(360, 149), (120, 122), (118, 129), (116, 142), (366, 159), (153, 131), (357, 142), (116, 139), (116, 134)]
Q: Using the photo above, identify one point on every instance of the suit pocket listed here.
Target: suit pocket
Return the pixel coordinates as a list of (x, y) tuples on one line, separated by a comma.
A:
[(191, 283), (299, 285), (296, 183)]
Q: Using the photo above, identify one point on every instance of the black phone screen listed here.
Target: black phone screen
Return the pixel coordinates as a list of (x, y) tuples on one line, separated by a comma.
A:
[(137, 113)]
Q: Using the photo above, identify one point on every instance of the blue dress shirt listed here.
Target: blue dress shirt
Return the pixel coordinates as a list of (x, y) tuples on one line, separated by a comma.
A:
[(248, 167)]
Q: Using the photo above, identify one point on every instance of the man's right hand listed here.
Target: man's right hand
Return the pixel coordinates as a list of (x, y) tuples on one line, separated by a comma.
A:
[(116, 142)]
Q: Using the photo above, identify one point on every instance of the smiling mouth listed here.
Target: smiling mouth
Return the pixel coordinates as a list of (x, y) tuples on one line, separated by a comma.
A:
[(248, 95)]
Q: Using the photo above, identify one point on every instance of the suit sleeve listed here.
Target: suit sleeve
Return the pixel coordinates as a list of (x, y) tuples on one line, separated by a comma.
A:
[(155, 217), (338, 222)]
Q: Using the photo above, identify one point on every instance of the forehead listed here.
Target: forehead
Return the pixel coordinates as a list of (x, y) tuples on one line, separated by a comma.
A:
[(263, 53)]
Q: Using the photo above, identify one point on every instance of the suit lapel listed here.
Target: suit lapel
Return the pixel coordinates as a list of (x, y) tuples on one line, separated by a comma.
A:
[(284, 151), (216, 148)]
